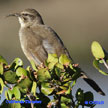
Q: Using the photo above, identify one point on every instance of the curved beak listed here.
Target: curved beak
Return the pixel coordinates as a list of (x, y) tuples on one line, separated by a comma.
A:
[(14, 14)]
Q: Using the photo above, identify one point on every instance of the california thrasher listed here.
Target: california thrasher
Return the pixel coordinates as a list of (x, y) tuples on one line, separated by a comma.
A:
[(38, 40)]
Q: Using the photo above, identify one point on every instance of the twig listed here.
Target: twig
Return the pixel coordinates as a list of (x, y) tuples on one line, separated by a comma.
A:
[(106, 65), (32, 105)]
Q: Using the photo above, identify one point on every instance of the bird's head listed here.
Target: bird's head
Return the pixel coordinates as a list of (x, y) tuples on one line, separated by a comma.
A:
[(28, 17)]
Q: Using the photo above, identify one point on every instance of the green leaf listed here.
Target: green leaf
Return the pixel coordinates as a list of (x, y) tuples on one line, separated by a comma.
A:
[(16, 63), (21, 71), (43, 74), (16, 92), (33, 65), (2, 60), (46, 89), (68, 91), (9, 93), (34, 86), (97, 50), (65, 100), (1, 69), (13, 92), (63, 105), (74, 82), (67, 84), (51, 65), (59, 66), (64, 60), (1, 85), (63, 87), (23, 90), (52, 58), (10, 77), (96, 65), (30, 72), (72, 68), (67, 80)]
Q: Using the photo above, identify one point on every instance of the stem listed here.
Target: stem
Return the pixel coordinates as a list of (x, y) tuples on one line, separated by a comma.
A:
[(32, 105), (106, 65)]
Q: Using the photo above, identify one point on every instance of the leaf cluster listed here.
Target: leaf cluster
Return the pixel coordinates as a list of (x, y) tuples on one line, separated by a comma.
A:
[(56, 78)]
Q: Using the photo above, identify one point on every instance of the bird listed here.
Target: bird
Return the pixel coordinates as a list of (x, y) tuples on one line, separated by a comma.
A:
[(38, 40)]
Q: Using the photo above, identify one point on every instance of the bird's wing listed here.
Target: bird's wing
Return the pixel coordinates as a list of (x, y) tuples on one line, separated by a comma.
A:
[(50, 40), (39, 54), (35, 49)]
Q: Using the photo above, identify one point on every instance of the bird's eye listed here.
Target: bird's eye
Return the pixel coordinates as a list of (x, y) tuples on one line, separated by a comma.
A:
[(25, 14)]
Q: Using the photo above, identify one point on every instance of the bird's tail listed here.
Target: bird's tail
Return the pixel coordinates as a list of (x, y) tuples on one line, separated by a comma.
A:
[(92, 83)]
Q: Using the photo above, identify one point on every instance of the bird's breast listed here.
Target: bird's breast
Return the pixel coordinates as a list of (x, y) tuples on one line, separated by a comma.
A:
[(23, 36)]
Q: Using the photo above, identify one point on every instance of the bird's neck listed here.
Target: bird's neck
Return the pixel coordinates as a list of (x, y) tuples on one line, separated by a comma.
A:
[(38, 21)]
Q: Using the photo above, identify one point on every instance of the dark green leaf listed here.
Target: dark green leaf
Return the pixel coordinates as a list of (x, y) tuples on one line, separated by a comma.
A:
[(88, 96), (10, 77), (76, 75), (80, 96), (58, 72), (45, 100), (25, 83)]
